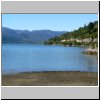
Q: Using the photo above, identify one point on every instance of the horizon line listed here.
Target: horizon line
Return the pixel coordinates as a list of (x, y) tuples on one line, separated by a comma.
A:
[(34, 30)]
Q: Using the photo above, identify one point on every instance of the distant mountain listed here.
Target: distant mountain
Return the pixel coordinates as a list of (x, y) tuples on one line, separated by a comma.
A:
[(25, 36)]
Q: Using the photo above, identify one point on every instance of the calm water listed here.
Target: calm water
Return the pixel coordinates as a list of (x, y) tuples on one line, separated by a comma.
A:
[(27, 57)]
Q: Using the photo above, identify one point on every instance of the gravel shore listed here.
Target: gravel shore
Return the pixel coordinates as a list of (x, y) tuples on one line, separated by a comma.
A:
[(52, 78)]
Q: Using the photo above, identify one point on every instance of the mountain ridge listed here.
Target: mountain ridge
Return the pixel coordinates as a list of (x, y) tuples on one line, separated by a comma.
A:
[(26, 36)]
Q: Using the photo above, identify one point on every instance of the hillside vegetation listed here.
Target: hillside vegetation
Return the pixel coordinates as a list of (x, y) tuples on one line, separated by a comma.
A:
[(84, 36)]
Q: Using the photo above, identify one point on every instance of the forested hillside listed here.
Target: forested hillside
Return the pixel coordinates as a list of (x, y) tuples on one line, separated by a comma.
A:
[(84, 36)]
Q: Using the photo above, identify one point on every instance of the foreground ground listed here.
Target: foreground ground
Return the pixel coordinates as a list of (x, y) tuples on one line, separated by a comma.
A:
[(60, 78)]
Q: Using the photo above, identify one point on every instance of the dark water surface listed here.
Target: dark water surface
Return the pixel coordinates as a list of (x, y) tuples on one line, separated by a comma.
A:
[(28, 57)]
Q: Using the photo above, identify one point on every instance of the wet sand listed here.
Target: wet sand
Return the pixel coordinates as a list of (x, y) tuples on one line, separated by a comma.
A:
[(52, 78)]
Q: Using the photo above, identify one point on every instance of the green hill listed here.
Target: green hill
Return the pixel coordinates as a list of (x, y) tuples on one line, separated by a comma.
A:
[(84, 36)]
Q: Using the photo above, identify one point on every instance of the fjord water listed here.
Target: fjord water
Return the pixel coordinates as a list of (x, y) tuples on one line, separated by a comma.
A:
[(29, 57)]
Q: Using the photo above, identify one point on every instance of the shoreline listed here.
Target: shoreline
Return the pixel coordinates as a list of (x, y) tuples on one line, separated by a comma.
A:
[(51, 78), (91, 51)]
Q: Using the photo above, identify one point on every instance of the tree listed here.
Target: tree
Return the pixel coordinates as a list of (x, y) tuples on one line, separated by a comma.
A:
[(90, 27)]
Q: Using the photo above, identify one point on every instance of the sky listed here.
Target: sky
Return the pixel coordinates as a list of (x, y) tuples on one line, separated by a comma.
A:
[(55, 22)]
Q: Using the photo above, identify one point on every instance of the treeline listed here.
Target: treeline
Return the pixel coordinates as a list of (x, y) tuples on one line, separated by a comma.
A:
[(87, 35)]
